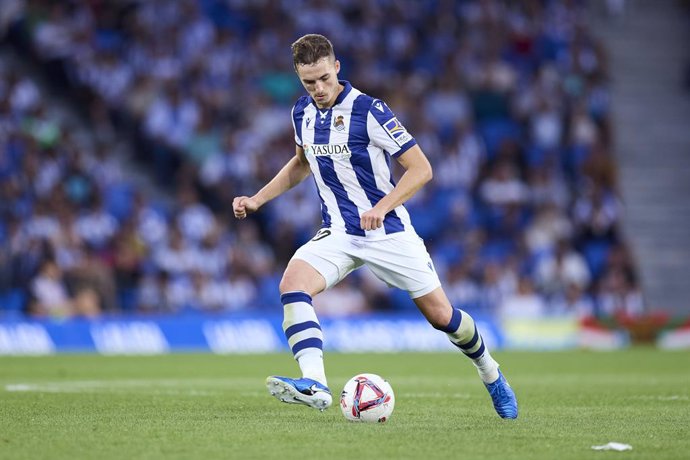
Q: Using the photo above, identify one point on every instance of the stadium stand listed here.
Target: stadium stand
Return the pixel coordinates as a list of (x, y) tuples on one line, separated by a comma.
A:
[(510, 101)]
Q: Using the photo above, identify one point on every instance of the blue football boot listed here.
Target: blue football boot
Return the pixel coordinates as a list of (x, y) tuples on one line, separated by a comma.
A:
[(503, 397), (300, 391)]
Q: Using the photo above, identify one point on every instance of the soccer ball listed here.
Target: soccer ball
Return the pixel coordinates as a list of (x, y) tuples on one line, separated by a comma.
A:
[(367, 398)]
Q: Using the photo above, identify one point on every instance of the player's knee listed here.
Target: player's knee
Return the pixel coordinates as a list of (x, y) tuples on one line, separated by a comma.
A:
[(439, 322), (288, 284), (299, 276), (292, 282), (436, 308), (438, 318)]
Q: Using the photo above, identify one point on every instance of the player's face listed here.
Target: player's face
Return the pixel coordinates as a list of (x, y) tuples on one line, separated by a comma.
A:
[(321, 81)]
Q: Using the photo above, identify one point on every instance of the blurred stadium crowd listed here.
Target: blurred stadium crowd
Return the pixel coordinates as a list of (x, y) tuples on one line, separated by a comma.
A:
[(510, 101)]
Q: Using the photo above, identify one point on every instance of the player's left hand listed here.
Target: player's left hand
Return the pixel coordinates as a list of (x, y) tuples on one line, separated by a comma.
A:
[(372, 219)]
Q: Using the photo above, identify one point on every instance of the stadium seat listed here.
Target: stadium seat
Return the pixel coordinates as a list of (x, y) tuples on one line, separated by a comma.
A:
[(118, 200), (495, 132), (596, 253), (12, 303)]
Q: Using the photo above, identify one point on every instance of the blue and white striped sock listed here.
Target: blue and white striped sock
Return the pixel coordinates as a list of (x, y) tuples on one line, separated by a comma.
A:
[(463, 333), (303, 332)]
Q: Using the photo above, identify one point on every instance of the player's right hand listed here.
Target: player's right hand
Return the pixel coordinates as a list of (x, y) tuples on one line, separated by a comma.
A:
[(243, 205)]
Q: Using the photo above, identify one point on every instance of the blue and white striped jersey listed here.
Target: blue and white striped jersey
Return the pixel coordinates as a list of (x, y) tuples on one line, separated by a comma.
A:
[(348, 147)]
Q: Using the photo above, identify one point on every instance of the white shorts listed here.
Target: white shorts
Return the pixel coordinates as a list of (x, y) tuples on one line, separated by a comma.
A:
[(400, 260)]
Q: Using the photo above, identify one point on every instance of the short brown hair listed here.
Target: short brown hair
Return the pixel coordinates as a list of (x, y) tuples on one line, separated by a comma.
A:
[(311, 48)]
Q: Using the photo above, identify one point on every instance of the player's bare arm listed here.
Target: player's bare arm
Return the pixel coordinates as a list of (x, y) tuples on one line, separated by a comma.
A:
[(294, 172), (417, 173)]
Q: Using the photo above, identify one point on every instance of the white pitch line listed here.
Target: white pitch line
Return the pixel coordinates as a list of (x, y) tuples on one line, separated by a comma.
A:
[(192, 387), (663, 398), (437, 395)]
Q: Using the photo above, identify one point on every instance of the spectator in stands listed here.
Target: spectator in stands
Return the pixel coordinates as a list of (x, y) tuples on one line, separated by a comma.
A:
[(618, 294), (525, 302), (462, 288), (564, 267), (51, 298), (96, 226), (572, 302), (344, 299)]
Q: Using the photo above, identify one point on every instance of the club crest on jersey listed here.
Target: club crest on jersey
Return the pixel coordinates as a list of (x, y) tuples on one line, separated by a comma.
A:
[(334, 151), (339, 123), (397, 131)]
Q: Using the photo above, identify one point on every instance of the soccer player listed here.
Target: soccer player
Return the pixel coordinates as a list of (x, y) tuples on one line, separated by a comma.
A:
[(345, 140)]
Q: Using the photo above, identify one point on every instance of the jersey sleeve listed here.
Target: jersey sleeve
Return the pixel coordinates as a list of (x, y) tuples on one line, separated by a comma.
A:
[(297, 115), (386, 131)]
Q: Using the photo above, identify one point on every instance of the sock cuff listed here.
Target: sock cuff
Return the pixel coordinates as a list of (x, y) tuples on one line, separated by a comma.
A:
[(295, 296), (454, 323)]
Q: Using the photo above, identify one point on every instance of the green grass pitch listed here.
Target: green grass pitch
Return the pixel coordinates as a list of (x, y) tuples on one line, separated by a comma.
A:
[(189, 406)]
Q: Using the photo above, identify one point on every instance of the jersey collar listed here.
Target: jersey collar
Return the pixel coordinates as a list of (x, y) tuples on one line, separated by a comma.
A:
[(343, 94)]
